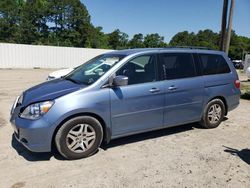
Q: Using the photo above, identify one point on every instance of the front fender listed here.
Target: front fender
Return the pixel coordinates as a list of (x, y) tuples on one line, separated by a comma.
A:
[(92, 103)]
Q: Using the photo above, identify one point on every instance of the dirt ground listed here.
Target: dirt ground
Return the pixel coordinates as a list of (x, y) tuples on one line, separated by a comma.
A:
[(186, 156)]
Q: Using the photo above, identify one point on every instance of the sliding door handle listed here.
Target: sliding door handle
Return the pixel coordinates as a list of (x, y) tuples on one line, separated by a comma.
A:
[(172, 88), (154, 90)]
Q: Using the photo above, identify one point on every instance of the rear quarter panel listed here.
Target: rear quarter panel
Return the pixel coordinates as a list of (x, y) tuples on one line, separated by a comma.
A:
[(222, 85)]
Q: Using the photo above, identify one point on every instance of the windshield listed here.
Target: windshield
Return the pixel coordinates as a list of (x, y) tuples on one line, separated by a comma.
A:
[(92, 70)]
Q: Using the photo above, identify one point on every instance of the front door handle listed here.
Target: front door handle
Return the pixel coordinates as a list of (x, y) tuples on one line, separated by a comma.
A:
[(154, 90), (172, 88)]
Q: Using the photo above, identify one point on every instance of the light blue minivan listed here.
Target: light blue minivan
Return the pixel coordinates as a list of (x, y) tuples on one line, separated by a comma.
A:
[(125, 92)]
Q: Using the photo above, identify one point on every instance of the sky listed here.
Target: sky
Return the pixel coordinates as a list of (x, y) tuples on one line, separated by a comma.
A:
[(166, 17)]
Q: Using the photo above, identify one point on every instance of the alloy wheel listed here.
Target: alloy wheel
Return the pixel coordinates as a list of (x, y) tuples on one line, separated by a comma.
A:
[(80, 138), (214, 113)]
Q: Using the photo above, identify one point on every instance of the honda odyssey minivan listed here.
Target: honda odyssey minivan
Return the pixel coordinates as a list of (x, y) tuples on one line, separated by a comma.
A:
[(125, 92)]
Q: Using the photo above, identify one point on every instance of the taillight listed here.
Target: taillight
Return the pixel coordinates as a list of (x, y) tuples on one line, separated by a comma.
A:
[(237, 84)]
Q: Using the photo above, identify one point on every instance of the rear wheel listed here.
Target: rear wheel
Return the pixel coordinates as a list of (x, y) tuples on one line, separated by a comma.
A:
[(213, 114), (79, 137)]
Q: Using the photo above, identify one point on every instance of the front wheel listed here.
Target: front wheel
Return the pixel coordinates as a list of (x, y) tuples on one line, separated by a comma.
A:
[(79, 137), (213, 114)]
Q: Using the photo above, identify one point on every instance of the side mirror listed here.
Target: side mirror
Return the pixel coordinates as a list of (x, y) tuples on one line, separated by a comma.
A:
[(120, 81)]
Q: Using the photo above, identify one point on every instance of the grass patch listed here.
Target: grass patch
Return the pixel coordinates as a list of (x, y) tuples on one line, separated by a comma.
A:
[(245, 86)]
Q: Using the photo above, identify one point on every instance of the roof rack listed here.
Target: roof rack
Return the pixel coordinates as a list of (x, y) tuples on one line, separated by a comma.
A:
[(190, 47)]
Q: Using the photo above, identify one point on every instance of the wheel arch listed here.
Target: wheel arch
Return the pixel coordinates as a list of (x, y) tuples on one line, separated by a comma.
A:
[(223, 100), (106, 129)]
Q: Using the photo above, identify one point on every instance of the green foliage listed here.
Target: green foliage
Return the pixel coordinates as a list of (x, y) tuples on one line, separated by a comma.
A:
[(49, 22), (136, 41), (62, 23), (154, 41), (97, 39), (9, 20), (210, 39), (183, 39), (118, 39), (69, 20), (68, 23), (206, 38)]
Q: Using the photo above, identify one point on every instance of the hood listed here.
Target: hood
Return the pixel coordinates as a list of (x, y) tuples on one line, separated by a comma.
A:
[(49, 91), (60, 73)]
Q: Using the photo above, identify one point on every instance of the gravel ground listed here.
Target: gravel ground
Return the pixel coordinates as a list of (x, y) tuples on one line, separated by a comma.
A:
[(185, 156)]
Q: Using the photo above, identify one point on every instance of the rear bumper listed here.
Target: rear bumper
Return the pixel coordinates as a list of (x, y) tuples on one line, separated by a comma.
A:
[(35, 135), (233, 107), (233, 101)]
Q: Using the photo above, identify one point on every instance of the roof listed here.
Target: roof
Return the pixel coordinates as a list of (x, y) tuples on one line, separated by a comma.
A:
[(168, 49)]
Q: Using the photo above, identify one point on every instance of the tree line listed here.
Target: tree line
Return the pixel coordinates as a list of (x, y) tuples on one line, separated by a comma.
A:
[(68, 23)]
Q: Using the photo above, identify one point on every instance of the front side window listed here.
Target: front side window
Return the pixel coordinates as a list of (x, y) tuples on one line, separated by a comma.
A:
[(213, 64), (92, 70), (139, 70), (177, 65)]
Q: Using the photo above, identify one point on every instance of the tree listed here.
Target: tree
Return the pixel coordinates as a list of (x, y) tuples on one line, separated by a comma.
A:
[(52, 22), (117, 39), (207, 38), (33, 22), (123, 40), (97, 39), (238, 45), (154, 41), (9, 20), (70, 21), (136, 41), (183, 39)]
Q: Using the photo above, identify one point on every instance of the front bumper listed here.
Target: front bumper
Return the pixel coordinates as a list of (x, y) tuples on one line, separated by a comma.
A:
[(35, 135)]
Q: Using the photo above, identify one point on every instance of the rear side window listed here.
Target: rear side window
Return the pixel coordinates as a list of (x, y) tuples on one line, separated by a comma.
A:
[(213, 64), (177, 65)]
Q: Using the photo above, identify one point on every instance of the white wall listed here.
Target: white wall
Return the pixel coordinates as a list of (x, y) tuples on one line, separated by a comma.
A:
[(30, 56)]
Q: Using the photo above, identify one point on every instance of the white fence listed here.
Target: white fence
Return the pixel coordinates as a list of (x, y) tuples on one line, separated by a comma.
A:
[(35, 56)]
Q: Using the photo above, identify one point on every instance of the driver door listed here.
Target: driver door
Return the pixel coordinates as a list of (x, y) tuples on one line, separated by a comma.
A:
[(138, 107)]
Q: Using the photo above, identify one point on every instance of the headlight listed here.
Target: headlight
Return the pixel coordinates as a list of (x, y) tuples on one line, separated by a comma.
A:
[(35, 111)]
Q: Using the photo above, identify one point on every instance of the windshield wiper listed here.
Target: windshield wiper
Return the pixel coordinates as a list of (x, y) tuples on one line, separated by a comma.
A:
[(72, 80)]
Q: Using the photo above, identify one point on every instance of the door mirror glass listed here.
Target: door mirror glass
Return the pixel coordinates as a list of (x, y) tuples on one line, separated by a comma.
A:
[(120, 81)]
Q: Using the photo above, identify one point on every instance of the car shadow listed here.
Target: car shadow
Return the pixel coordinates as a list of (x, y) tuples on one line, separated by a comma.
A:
[(150, 135), (243, 154), (32, 156), (225, 118)]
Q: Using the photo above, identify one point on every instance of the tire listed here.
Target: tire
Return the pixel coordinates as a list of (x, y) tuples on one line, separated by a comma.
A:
[(79, 137), (208, 115)]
